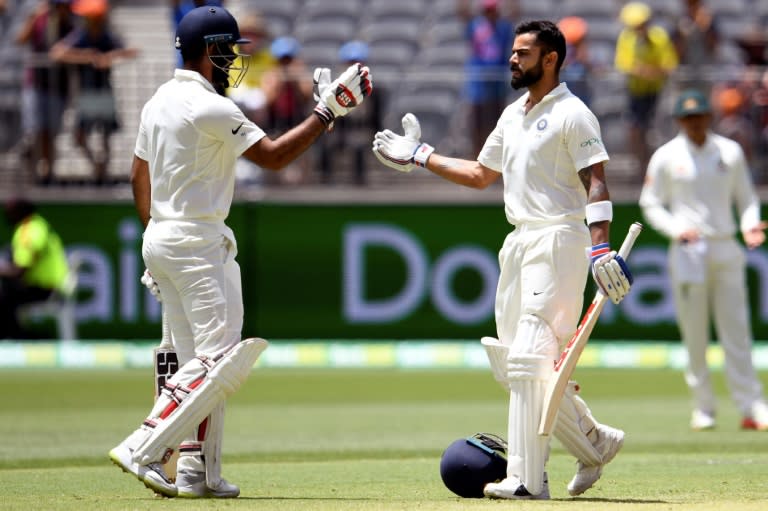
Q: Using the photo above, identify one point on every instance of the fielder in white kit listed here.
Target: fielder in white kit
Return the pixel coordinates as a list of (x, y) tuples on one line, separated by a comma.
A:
[(693, 184), (547, 147), (183, 178)]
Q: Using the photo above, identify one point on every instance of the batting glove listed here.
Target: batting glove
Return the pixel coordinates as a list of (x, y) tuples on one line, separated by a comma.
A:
[(338, 98), (610, 272), (402, 152), (149, 283)]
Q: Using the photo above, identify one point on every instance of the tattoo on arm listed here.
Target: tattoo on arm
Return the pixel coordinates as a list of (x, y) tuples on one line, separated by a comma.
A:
[(585, 175), (596, 190)]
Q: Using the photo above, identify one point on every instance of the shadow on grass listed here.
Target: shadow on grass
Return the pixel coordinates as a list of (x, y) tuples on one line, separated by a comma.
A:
[(616, 501)]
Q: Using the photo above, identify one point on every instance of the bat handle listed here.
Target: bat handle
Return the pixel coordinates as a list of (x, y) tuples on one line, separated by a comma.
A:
[(165, 342), (634, 231)]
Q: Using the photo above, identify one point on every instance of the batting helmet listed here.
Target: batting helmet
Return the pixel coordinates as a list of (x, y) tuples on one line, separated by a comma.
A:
[(468, 464), (203, 26)]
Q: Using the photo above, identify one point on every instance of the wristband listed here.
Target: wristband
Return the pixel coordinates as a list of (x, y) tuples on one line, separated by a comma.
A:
[(599, 251), (599, 212), (422, 153), (324, 114)]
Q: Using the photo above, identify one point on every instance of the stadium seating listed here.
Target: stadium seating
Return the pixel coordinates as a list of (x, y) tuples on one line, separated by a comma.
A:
[(405, 37)]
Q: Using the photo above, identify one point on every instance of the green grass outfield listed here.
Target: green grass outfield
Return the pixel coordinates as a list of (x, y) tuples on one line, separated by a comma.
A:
[(366, 440)]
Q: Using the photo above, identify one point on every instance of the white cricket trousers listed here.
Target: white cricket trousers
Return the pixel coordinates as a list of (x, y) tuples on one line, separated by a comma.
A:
[(543, 273), (199, 280), (718, 294)]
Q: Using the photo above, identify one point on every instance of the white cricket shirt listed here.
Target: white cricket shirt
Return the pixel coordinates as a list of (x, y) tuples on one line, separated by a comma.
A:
[(692, 187), (191, 137), (540, 154)]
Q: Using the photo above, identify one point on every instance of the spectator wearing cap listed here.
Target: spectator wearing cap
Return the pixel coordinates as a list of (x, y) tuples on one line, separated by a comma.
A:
[(694, 185), (287, 91), (46, 85), (489, 36), (93, 48), (731, 117), (646, 56), (578, 65), (353, 134), (249, 94)]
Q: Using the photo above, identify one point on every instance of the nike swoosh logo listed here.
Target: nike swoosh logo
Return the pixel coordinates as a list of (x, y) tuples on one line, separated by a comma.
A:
[(234, 131), (537, 293)]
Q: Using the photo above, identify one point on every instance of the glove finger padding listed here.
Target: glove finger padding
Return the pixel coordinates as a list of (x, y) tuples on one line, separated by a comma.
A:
[(411, 127), (321, 80), (402, 152), (388, 154), (343, 94), (612, 276), (348, 90)]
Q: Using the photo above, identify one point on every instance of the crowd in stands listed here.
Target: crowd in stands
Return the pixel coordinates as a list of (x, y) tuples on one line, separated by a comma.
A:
[(447, 58)]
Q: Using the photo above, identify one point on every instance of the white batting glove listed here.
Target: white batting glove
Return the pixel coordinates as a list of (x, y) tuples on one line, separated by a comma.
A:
[(341, 96), (149, 283), (402, 152), (321, 80), (610, 272)]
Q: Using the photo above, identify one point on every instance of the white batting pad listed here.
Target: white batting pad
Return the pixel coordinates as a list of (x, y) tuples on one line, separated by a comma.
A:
[(221, 381), (212, 447), (576, 428), (497, 357), (527, 451)]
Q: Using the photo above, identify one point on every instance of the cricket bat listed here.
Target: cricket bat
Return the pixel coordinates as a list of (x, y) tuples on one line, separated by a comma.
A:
[(166, 365), (566, 364)]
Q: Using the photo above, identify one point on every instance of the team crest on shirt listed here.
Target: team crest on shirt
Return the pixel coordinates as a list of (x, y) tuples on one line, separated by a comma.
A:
[(541, 125)]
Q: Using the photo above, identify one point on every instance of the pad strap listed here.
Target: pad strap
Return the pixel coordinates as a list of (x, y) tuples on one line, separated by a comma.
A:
[(575, 425), (497, 358), (188, 406), (527, 451)]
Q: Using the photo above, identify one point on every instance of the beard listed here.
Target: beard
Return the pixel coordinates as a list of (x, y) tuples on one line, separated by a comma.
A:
[(220, 80), (529, 77)]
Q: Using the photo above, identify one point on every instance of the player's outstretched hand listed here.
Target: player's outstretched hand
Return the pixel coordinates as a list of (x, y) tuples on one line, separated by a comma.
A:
[(338, 98), (149, 282), (610, 272), (402, 152)]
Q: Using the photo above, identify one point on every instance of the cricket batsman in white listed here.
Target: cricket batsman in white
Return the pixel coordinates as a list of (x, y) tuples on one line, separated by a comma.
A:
[(547, 148), (183, 177)]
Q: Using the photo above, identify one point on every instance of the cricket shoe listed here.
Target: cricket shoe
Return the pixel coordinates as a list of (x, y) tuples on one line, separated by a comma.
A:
[(758, 419), (152, 475), (702, 421), (609, 442), (511, 488), (192, 485)]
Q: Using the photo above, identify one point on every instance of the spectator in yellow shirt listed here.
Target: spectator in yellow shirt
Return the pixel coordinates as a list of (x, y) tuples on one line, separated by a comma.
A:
[(36, 269), (646, 55)]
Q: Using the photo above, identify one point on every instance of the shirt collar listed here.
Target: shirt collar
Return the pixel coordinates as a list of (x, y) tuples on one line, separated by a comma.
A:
[(708, 143), (193, 76), (558, 91)]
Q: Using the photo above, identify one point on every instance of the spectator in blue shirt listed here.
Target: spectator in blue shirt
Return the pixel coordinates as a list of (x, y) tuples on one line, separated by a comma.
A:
[(490, 38)]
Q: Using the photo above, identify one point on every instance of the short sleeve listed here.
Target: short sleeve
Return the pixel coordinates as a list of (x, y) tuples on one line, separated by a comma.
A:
[(142, 143), (583, 139), (492, 151), (222, 120)]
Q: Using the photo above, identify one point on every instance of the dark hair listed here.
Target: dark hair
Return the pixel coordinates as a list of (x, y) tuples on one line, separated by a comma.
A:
[(548, 36)]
